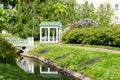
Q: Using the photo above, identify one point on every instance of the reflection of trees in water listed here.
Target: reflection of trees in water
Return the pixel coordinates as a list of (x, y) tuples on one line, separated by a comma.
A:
[(44, 68), (36, 68), (26, 64)]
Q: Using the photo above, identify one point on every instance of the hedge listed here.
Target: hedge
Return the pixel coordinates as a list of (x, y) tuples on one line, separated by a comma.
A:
[(7, 52), (107, 36)]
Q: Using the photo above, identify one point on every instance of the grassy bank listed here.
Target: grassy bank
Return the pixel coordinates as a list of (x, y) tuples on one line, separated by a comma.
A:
[(13, 72), (94, 46), (98, 65)]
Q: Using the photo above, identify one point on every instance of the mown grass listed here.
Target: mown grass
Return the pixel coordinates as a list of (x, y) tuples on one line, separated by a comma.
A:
[(13, 72), (94, 46), (37, 42), (98, 65)]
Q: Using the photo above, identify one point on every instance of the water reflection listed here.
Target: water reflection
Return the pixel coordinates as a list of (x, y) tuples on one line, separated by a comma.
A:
[(27, 65), (34, 67), (47, 70)]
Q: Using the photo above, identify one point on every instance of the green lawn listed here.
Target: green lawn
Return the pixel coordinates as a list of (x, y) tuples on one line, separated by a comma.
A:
[(13, 72), (94, 46), (98, 65)]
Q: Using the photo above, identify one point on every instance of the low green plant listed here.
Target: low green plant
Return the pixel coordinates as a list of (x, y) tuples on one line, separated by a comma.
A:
[(7, 52), (13, 72), (98, 65), (107, 36)]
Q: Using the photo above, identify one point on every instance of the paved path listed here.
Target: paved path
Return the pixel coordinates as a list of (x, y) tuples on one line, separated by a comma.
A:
[(81, 47), (28, 48)]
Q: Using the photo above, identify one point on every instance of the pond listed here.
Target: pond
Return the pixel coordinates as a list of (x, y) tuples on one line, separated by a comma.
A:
[(42, 72)]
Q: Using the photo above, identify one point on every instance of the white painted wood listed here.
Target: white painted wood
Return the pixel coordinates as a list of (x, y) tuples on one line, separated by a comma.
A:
[(55, 72), (40, 34), (57, 34), (48, 34), (4, 32), (46, 37), (17, 41), (60, 34), (48, 71), (54, 38)]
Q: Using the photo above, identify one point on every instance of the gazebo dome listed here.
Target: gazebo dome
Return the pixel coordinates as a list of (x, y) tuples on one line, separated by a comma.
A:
[(50, 32)]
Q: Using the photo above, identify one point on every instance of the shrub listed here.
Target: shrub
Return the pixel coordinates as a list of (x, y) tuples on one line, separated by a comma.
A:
[(7, 52), (107, 36)]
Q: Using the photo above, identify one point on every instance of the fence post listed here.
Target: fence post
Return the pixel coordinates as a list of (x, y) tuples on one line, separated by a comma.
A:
[(32, 41), (29, 41)]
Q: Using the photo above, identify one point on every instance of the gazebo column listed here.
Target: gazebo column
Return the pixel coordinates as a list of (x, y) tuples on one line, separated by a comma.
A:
[(48, 34), (40, 34), (60, 34), (57, 34), (53, 38), (46, 37)]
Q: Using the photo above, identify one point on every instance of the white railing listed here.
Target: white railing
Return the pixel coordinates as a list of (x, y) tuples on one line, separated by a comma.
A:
[(17, 41), (51, 39)]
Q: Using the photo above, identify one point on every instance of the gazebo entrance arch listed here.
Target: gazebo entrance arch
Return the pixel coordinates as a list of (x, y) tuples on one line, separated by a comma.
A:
[(50, 32)]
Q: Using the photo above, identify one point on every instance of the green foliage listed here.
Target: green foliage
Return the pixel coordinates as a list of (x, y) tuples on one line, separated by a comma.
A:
[(7, 52), (30, 13), (87, 11), (102, 15), (25, 17), (98, 64), (8, 19), (108, 36), (60, 10), (8, 3), (105, 15), (13, 72), (110, 70), (3, 22)]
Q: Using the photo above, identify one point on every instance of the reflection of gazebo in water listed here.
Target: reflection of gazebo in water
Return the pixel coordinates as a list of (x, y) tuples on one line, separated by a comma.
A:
[(50, 32)]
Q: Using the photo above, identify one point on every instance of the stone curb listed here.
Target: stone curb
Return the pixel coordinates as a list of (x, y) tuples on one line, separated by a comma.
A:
[(70, 73)]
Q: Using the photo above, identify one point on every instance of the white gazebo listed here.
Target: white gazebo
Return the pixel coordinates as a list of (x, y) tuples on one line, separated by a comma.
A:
[(50, 32)]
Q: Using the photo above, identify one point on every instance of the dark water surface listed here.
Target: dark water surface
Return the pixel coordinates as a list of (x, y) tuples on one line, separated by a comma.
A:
[(39, 70)]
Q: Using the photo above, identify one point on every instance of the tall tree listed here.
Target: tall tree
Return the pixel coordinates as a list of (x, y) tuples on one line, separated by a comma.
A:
[(87, 11), (32, 12), (8, 3), (4, 18), (6, 13), (102, 15), (25, 18), (105, 14)]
